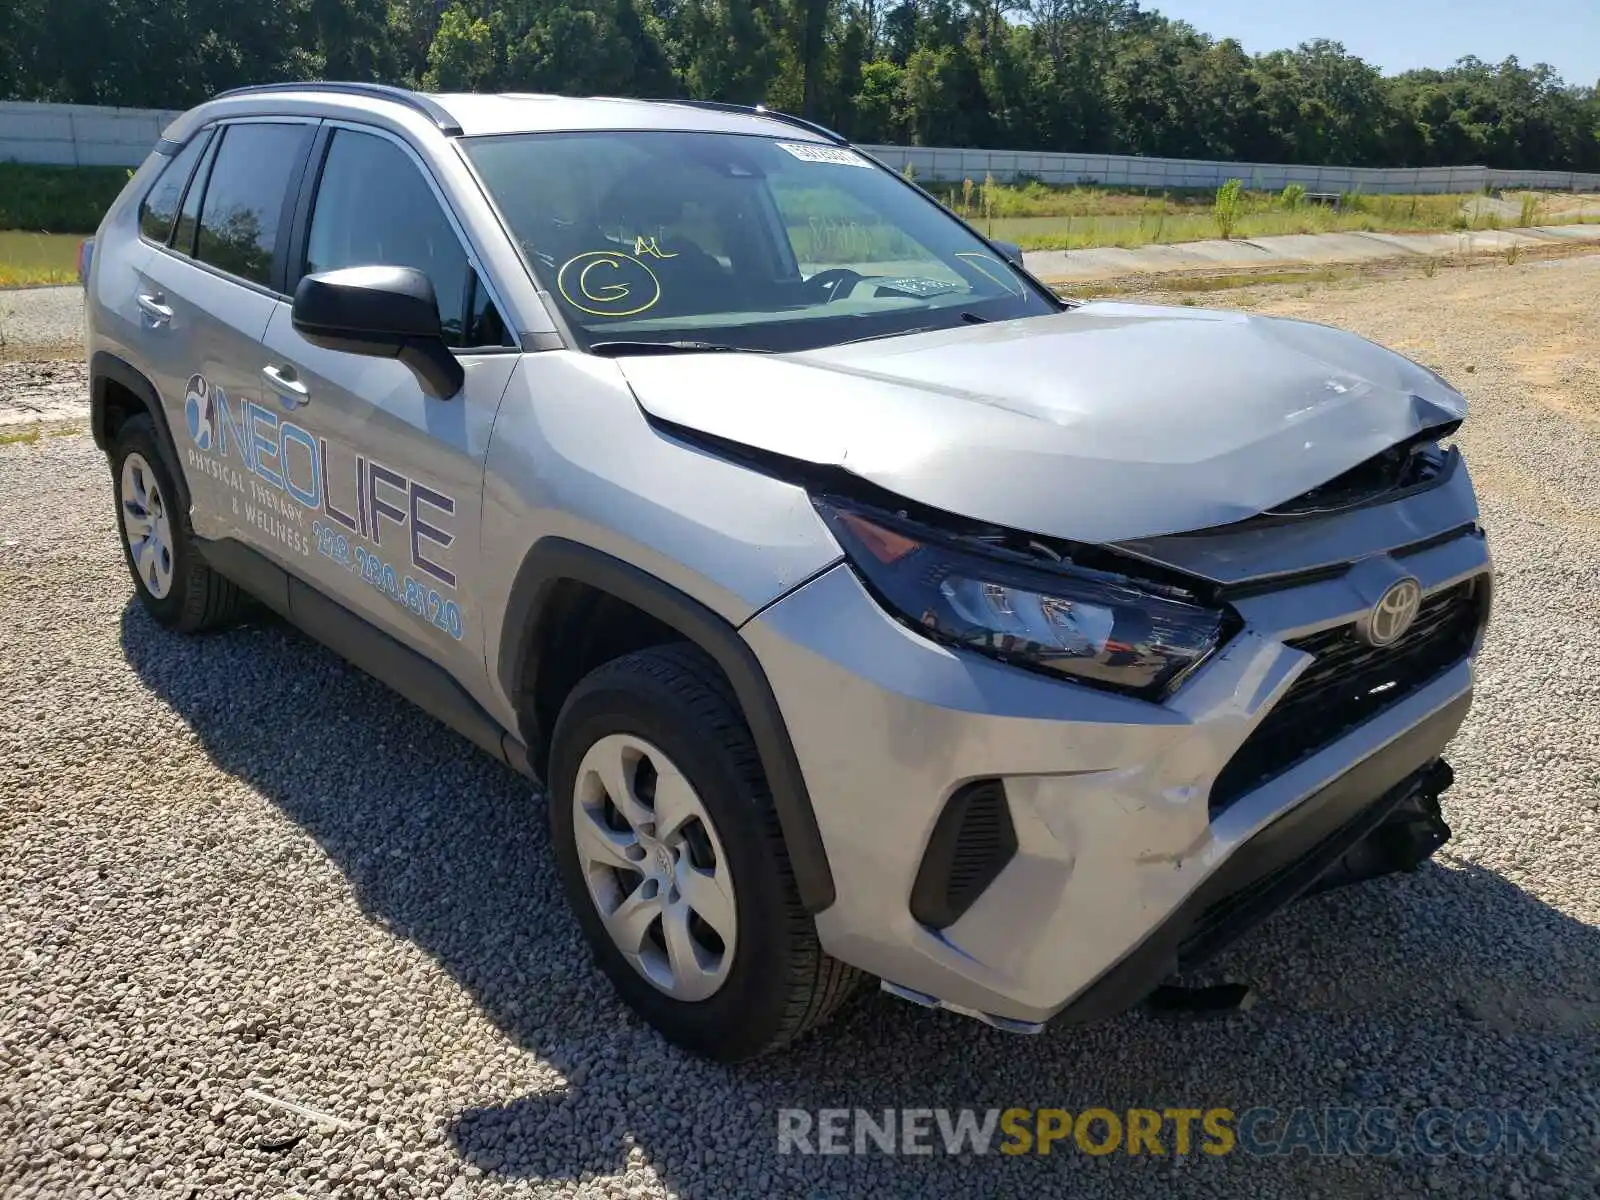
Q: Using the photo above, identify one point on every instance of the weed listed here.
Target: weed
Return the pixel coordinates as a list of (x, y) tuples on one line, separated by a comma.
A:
[(1512, 253), (1529, 214), (1229, 207), (1293, 196), (1430, 266), (22, 437)]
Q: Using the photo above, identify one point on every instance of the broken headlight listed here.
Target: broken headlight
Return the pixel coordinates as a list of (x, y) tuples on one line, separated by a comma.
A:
[(1090, 626)]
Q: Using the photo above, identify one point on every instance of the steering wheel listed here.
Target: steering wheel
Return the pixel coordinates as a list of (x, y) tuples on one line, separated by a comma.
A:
[(834, 282)]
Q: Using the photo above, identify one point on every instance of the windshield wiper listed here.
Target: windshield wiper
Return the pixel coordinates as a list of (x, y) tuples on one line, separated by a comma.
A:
[(616, 349), (967, 318)]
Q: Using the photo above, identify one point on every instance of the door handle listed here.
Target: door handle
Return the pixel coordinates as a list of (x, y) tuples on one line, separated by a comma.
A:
[(282, 381), (153, 308)]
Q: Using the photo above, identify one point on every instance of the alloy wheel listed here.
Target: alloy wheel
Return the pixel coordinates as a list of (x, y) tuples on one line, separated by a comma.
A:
[(146, 525), (654, 867)]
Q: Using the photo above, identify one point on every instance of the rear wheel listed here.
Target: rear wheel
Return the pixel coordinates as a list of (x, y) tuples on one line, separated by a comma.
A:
[(672, 859), (172, 581)]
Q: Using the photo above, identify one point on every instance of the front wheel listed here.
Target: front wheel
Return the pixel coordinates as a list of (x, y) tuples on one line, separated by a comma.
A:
[(672, 858)]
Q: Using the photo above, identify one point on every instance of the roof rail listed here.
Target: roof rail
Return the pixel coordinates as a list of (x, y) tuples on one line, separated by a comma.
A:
[(761, 110), (415, 101)]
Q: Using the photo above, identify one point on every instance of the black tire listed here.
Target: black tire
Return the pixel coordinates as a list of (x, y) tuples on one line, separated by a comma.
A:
[(199, 598), (780, 984)]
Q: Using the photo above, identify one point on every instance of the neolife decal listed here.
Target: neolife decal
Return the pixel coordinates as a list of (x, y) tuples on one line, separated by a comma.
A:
[(366, 517)]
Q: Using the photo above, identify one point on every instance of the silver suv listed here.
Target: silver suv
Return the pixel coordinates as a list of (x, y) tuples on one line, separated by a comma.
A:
[(866, 609)]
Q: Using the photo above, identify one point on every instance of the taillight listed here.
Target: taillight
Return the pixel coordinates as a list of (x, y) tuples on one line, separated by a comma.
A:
[(85, 258)]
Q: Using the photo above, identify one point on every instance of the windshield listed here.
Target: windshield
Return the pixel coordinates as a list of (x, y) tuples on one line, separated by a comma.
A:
[(742, 241)]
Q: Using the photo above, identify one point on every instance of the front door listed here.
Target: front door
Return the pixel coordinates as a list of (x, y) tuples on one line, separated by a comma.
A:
[(395, 503)]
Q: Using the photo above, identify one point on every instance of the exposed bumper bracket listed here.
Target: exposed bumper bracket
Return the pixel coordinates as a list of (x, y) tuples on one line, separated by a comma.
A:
[(1405, 840), (1008, 1024)]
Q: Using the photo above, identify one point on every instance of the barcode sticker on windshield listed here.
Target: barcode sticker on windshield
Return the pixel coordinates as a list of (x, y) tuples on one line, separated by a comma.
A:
[(838, 156)]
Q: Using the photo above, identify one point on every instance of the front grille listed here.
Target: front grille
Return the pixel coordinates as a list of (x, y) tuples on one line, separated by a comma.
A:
[(1350, 683)]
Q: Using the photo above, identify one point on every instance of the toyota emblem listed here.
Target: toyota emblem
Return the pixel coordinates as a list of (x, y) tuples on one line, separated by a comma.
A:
[(1392, 615)]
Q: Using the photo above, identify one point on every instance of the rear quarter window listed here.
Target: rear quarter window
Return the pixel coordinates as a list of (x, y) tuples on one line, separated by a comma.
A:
[(160, 204)]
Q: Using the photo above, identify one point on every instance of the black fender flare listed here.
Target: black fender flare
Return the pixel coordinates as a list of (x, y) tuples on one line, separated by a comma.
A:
[(552, 560), (104, 368)]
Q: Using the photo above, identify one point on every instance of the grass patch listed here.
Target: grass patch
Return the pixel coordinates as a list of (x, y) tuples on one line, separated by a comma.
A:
[(44, 213), (1202, 283), (1225, 283), (57, 199), (1038, 216), (38, 258), (28, 435)]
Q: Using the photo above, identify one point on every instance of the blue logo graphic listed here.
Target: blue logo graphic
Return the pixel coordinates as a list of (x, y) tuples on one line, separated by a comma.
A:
[(200, 408)]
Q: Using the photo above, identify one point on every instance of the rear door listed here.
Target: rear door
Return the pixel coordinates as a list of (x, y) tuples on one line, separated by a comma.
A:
[(400, 473), (205, 296)]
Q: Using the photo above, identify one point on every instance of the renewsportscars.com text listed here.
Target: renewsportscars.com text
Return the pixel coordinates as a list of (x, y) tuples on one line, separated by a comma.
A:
[(1168, 1131)]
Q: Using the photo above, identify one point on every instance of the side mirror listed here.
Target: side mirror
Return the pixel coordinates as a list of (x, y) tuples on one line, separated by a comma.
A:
[(1010, 251), (381, 312)]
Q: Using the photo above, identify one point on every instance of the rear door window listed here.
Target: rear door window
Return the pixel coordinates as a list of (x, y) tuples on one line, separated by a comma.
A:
[(245, 198), (160, 204)]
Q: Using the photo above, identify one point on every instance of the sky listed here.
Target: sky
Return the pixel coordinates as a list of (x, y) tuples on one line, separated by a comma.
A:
[(1398, 35)]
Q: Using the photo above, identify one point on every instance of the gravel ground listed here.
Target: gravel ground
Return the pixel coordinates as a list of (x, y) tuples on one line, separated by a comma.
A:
[(235, 868), (48, 319), (35, 391)]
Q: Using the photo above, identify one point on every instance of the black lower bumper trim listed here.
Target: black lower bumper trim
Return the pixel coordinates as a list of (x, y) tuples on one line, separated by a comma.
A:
[(1287, 858)]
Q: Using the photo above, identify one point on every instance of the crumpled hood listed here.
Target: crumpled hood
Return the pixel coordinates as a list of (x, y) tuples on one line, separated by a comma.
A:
[(1109, 422)]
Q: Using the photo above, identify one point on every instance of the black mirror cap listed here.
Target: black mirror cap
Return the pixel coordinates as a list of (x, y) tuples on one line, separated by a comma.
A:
[(380, 312), (381, 305)]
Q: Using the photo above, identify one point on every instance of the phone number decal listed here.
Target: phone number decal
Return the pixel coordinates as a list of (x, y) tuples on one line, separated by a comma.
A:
[(418, 598)]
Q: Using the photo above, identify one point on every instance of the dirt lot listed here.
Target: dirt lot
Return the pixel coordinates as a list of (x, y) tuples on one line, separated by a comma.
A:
[(234, 868)]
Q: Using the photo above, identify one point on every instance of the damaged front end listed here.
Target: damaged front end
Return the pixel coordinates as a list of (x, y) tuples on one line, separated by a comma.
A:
[(1105, 424), (1152, 645), (1397, 833)]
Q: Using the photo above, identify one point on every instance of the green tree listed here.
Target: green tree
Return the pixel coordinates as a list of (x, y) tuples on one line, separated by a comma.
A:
[(1097, 75)]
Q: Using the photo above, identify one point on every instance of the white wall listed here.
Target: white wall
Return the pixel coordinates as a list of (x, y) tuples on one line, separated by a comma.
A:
[(85, 135), (949, 165), (79, 135)]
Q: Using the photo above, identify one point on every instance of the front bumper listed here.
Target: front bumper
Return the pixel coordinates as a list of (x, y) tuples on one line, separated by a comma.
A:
[(1119, 861)]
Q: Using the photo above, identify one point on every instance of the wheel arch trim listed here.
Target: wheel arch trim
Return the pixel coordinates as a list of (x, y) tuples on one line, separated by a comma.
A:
[(104, 368), (552, 560)]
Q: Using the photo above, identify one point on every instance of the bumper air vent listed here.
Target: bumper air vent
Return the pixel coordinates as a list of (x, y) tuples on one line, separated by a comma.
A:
[(972, 841)]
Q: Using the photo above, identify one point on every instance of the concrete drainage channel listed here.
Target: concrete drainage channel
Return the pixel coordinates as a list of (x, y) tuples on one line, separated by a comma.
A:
[(268, 931), (1298, 250)]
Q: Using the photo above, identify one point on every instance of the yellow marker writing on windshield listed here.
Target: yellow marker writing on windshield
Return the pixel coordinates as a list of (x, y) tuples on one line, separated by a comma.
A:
[(644, 245), (608, 283)]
